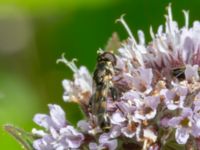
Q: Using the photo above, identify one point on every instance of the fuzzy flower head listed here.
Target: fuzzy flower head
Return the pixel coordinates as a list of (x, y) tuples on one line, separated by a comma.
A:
[(58, 133), (143, 96)]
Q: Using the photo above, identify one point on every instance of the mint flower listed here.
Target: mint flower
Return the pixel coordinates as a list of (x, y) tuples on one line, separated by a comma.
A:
[(104, 143), (156, 101), (147, 95), (175, 98), (158, 95), (58, 133)]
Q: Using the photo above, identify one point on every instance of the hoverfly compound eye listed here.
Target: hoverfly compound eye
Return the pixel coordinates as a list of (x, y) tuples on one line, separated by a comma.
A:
[(108, 56)]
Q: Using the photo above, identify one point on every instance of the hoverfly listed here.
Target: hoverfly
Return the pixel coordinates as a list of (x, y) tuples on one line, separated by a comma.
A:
[(102, 77)]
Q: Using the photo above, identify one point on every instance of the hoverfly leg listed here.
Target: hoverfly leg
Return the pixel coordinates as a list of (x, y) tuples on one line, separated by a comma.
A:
[(90, 103), (104, 122), (114, 93)]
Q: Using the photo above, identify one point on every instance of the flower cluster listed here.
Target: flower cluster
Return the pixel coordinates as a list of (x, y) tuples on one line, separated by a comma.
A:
[(158, 99), (61, 135)]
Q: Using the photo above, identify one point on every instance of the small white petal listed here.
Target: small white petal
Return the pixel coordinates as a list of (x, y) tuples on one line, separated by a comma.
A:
[(117, 118), (149, 134), (141, 37), (57, 115), (182, 135)]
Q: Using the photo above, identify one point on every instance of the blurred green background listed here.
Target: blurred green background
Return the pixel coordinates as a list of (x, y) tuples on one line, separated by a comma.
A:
[(34, 34)]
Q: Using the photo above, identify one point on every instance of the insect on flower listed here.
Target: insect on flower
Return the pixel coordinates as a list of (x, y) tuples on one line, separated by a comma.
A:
[(179, 72), (102, 77)]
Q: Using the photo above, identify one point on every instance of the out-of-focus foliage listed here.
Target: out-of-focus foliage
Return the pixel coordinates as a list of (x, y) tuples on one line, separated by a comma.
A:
[(24, 138), (34, 33)]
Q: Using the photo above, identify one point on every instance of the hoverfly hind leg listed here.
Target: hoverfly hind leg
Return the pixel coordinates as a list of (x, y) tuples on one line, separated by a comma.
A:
[(91, 104), (114, 93)]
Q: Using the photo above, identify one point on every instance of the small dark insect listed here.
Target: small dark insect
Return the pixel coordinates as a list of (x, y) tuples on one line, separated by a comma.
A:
[(179, 73), (102, 77)]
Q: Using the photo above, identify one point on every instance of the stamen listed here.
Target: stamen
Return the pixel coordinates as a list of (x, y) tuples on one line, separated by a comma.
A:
[(141, 37), (152, 33), (169, 19), (139, 57), (186, 14), (160, 30), (70, 64), (169, 10), (121, 19), (161, 45)]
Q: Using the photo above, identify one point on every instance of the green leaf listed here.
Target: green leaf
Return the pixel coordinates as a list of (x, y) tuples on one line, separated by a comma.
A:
[(173, 145), (24, 138)]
